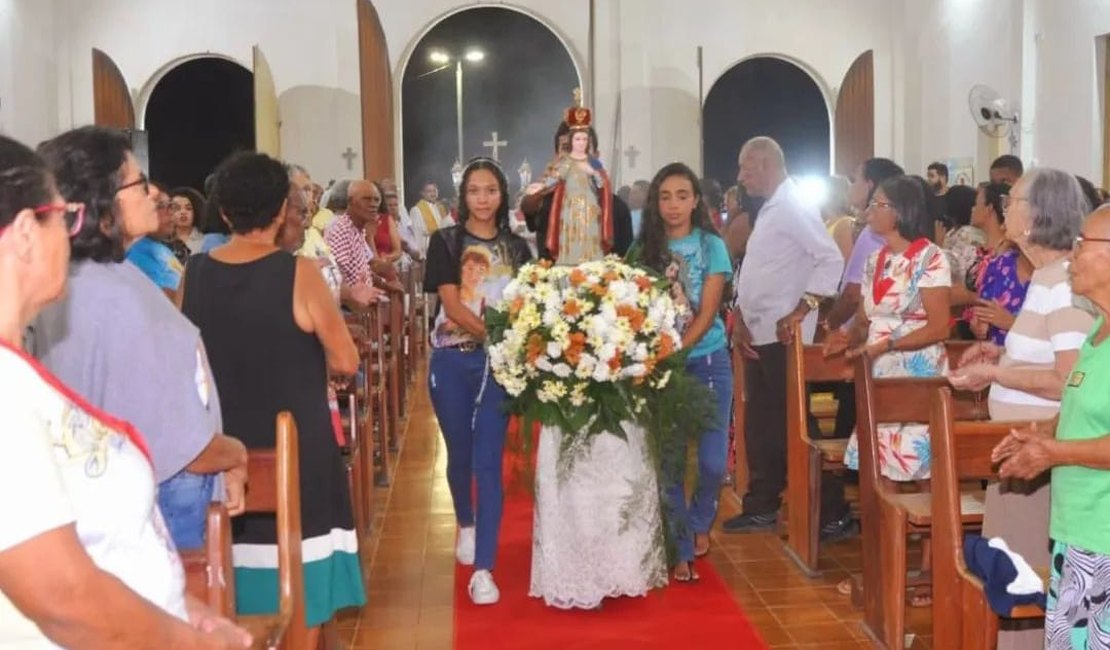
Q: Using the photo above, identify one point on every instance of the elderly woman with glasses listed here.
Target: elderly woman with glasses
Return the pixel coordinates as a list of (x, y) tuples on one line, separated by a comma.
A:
[(84, 559), (117, 341), (1075, 447), (1028, 374)]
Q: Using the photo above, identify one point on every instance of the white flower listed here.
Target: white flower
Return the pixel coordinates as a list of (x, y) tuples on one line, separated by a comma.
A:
[(633, 371), (561, 370), (601, 372), (544, 364), (554, 350)]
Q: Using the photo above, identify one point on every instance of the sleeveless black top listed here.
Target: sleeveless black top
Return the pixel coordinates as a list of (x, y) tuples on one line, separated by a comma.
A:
[(263, 363)]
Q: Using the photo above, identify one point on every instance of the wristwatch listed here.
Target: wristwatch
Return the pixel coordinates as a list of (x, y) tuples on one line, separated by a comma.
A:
[(811, 301)]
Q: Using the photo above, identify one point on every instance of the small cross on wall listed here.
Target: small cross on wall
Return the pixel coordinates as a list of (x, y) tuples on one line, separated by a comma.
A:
[(495, 145), (632, 153), (349, 155)]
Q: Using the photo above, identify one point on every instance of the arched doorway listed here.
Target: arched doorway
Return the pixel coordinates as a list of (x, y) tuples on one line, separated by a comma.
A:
[(519, 89), (199, 113), (772, 97)]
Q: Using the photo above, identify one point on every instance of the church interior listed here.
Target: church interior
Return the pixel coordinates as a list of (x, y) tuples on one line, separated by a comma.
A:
[(407, 94)]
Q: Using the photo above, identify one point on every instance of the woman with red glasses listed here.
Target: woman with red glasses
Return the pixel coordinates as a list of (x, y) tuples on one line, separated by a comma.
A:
[(84, 557), (116, 339)]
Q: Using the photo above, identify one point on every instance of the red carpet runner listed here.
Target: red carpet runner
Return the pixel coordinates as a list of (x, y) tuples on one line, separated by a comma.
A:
[(702, 616)]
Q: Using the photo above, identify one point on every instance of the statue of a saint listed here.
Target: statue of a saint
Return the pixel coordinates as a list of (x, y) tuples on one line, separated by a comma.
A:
[(580, 224)]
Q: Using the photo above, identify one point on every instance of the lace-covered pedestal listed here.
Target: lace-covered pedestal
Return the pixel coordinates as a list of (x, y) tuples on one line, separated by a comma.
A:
[(597, 531)]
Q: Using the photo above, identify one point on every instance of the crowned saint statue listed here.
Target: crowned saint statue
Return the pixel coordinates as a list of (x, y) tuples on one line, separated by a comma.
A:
[(597, 525), (580, 225)]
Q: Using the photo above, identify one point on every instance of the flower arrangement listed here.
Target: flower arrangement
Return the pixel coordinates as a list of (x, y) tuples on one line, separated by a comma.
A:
[(586, 348)]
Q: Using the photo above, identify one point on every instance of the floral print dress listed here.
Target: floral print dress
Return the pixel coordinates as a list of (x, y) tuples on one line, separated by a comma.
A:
[(999, 281), (892, 302)]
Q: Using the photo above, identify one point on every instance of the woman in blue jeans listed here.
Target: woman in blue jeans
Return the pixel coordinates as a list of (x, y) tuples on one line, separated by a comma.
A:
[(679, 240), (469, 265)]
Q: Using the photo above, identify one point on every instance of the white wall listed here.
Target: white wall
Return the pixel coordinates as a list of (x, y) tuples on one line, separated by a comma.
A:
[(311, 46), (928, 53), (948, 47), (1068, 126), (28, 70)]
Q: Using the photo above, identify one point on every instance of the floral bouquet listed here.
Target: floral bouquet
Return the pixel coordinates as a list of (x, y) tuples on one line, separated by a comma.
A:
[(586, 348)]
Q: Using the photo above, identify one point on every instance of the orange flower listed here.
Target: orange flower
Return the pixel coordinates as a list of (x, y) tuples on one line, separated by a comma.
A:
[(634, 315), (572, 308), (649, 366), (577, 277), (644, 283), (535, 348), (598, 290), (516, 305), (666, 346), (611, 276), (577, 346), (615, 362)]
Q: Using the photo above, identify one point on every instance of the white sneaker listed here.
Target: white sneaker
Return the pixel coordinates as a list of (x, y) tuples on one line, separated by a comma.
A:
[(464, 548), (483, 590)]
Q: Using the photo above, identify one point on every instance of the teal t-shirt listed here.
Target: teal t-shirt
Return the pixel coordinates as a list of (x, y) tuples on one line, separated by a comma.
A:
[(1081, 495), (701, 254)]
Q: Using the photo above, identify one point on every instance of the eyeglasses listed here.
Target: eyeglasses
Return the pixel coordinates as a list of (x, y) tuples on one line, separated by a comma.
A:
[(142, 181), (72, 213), (1079, 239), (164, 205), (879, 204), (1009, 199)]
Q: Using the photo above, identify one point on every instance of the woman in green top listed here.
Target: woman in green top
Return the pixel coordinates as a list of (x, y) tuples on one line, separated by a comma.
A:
[(1079, 457)]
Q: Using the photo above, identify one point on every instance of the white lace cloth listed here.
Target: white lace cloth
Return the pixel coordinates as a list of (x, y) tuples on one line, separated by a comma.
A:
[(597, 531)]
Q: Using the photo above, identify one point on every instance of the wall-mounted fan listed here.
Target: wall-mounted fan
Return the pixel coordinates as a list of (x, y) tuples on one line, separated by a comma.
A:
[(993, 114)]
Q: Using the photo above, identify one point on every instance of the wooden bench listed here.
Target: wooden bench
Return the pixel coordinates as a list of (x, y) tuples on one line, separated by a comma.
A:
[(274, 487), (209, 575), (962, 617), (807, 457), (888, 515)]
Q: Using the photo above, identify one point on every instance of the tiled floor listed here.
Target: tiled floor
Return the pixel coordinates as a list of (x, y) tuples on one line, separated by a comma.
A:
[(410, 561)]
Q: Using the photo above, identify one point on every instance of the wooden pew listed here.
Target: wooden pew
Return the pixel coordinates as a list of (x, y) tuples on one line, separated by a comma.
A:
[(962, 617), (377, 395), (888, 515), (209, 575), (740, 471), (806, 457), (275, 487), (394, 384)]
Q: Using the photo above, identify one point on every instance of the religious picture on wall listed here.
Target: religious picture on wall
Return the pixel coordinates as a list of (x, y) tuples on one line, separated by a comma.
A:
[(580, 225), (961, 171)]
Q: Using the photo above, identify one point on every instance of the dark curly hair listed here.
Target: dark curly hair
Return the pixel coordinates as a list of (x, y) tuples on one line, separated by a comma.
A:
[(958, 203), (24, 180), (195, 199), (501, 218), (653, 243), (250, 189), (87, 165)]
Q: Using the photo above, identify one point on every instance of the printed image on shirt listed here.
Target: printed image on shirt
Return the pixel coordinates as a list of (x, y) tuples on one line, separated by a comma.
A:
[(485, 269)]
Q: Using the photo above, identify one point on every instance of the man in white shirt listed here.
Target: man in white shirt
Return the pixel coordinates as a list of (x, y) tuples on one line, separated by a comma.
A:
[(790, 267), (426, 216)]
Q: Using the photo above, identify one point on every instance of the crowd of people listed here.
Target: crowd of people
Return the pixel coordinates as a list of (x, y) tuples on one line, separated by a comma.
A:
[(151, 335)]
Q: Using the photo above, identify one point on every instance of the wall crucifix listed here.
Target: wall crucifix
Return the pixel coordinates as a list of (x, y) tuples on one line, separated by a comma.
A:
[(349, 155), (632, 153), (495, 146)]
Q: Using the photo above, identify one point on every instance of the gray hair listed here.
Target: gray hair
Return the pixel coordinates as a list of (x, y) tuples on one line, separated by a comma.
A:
[(335, 199), (295, 169), (767, 149), (1058, 208)]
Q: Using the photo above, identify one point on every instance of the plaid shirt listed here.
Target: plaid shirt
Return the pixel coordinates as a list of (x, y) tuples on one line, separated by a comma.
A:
[(352, 253)]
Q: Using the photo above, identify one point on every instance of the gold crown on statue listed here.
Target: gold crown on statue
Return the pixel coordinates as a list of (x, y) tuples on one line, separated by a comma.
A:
[(578, 117)]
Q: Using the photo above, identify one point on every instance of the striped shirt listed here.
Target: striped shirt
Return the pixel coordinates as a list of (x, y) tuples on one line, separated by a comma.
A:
[(1048, 323), (352, 253)]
